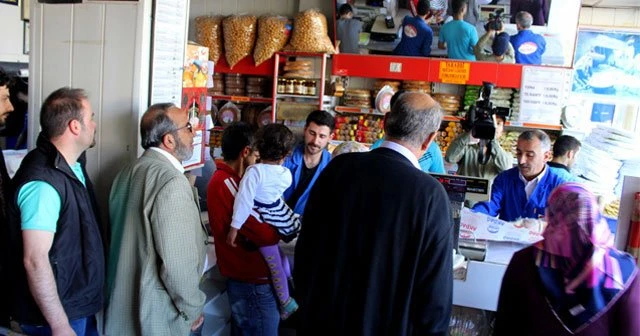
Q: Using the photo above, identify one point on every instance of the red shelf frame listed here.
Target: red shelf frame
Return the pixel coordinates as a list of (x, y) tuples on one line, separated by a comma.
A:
[(246, 66), (423, 68)]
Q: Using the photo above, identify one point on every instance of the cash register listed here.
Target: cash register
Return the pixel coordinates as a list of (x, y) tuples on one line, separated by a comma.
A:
[(458, 189)]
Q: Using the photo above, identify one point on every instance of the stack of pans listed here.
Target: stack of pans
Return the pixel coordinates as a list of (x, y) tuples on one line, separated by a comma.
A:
[(234, 85), (257, 87), (418, 86), (450, 103), (218, 85), (380, 83), (357, 98)]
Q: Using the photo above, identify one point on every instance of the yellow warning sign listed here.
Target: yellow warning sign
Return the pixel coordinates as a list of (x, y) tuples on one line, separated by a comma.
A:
[(453, 72)]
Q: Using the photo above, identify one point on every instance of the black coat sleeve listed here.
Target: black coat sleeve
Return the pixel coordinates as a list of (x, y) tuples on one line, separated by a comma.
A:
[(432, 299)]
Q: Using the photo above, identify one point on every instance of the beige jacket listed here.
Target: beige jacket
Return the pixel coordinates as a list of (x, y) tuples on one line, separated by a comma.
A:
[(484, 52), (157, 251)]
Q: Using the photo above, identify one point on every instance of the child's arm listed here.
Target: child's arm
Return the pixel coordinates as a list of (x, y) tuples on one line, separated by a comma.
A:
[(244, 199)]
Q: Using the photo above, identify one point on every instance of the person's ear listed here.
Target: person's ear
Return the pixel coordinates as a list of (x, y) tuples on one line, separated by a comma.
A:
[(75, 126), (169, 141), (246, 151), (548, 155)]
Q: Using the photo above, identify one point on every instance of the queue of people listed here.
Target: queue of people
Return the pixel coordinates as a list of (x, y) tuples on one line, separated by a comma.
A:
[(393, 232)]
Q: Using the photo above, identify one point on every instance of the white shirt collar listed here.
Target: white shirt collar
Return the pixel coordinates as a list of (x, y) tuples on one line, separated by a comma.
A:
[(530, 186), (402, 150), (169, 157)]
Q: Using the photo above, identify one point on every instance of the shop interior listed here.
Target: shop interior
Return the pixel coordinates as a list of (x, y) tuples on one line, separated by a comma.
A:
[(125, 69)]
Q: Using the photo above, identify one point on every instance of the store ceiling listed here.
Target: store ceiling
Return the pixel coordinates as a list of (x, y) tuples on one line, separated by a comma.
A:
[(611, 3)]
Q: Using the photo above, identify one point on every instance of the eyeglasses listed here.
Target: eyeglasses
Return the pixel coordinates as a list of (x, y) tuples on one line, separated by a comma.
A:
[(187, 126)]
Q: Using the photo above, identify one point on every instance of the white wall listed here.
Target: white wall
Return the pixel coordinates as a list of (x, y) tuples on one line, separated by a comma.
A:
[(611, 17), (12, 35), (97, 47)]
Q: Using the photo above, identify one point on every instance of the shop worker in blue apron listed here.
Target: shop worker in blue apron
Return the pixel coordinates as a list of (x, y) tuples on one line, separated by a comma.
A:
[(522, 191)]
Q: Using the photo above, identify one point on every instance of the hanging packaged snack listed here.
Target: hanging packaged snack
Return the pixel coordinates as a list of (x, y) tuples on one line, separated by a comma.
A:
[(264, 117), (209, 34), (228, 113), (239, 37), (310, 33), (273, 34)]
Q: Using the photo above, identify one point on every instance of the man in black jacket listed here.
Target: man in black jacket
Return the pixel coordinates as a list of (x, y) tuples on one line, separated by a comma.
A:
[(374, 256), (57, 251), (5, 109)]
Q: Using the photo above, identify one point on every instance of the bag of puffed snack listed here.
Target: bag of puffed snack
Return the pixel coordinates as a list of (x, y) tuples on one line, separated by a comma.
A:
[(239, 37), (209, 34), (273, 34), (310, 33)]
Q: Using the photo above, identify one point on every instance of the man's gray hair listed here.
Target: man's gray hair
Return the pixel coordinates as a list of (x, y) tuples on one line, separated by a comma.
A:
[(409, 123), (155, 124), (524, 19), (545, 141)]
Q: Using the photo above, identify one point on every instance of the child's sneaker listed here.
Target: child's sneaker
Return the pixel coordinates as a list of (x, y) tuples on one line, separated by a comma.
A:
[(288, 308)]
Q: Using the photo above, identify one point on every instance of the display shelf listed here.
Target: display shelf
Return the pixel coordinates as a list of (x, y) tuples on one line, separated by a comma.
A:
[(287, 95), (452, 118), (319, 69), (246, 66), (357, 110), (427, 69), (244, 99), (512, 124), (533, 125)]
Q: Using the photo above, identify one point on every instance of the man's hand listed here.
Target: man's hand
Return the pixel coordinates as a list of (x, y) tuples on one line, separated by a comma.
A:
[(231, 237), (197, 323), (63, 330)]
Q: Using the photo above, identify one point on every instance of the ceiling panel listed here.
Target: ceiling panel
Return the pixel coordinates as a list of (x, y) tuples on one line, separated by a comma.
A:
[(611, 3)]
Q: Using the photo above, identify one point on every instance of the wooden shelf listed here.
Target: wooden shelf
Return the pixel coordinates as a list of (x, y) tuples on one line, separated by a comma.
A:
[(357, 110), (287, 95), (533, 125), (242, 99), (512, 124), (452, 118)]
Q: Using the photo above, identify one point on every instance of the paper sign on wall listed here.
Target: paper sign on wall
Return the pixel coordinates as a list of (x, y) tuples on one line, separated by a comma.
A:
[(543, 93), (454, 72)]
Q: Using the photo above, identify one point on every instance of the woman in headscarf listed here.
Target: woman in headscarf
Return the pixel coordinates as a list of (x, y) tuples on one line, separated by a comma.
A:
[(574, 282)]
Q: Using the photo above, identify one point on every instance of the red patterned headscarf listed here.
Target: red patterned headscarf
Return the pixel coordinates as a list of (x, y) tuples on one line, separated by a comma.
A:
[(577, 240)]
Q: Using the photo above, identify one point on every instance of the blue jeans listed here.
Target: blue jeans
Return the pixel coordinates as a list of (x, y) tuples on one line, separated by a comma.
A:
[(254, 309), (83, 327)]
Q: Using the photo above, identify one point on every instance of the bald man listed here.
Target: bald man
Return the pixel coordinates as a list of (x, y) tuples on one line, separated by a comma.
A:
[(380, 262)]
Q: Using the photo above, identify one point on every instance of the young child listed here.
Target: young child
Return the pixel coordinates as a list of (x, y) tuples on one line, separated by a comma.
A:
[(260, 195), (348, 30)]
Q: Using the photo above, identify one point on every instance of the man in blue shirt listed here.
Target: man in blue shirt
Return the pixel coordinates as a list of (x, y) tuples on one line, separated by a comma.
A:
[(457, 36), (522, 192), (309, 159), (528, 45), (417, 36)]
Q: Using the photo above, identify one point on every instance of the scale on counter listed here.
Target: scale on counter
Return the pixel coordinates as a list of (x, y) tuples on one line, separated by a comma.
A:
[(457, 187)]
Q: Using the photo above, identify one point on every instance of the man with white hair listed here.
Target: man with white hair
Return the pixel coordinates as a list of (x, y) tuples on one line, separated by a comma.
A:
[(380, 262)]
